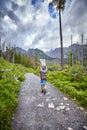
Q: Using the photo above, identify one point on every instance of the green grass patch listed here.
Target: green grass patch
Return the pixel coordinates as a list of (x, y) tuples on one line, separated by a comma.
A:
[(72, 81), (11, 76)]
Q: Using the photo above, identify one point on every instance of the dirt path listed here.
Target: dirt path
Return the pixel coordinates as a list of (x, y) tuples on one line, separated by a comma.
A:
[(52, 111)]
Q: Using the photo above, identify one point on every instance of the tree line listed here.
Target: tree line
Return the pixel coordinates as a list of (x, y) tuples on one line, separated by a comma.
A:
[(9, 53)]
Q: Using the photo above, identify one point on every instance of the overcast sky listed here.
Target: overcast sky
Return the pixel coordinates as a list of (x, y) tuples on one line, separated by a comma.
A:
[(30, 23)]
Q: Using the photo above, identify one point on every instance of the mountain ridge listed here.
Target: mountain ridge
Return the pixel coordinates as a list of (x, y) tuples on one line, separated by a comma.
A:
[(52, 54), (35, 52)]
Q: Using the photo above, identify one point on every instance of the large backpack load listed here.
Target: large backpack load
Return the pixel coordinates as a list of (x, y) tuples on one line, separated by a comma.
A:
[(43, 70), (43, 74)]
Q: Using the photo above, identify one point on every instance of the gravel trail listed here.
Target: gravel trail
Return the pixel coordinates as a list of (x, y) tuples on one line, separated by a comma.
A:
[(52, 111)]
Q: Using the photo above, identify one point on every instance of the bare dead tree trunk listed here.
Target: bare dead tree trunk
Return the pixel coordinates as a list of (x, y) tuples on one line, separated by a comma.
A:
[(61, 41), (72, 48), (3, 49), (78, 52), (13, 55), (0, 48), (82, 50)]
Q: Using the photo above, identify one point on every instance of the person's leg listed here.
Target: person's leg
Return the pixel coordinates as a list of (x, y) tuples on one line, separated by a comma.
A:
[(42, 88)]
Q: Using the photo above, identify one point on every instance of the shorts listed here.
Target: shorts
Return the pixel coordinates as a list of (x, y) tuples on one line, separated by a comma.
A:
[(43, 82)]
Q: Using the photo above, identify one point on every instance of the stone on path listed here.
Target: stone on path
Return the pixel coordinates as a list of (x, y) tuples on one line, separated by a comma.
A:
[(67, 109), (47, 93), (62, 107), (50, 105), (65, 98), (57, 108), (47, 99), (81, 108), (54, 99), (61, 103), (69, 128), (85, 127), (41, 105), (67, 104)]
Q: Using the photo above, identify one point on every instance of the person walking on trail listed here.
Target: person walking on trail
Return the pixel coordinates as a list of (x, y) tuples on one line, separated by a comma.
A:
[(43, 75)]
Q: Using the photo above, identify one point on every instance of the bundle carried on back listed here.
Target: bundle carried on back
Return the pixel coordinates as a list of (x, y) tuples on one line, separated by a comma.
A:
[(43, 74), (43, 70)]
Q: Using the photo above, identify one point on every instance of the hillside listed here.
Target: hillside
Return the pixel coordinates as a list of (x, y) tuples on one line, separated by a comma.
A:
[(11, 76), (22, 51), (56, 53), (35, 52), (77, 48), (39, 53)]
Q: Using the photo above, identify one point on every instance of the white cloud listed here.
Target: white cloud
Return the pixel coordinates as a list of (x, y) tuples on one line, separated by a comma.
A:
[(26, 19), (42, 19), (21, 2), (8, 24), (9, 5), (28, 41), (35, 28)]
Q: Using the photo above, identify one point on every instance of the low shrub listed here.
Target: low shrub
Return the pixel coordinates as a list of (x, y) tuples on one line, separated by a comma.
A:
[(21, 78), (9, 89), (72, 82)]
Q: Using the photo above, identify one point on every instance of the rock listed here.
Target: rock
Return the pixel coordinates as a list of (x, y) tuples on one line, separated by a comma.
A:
[(47, 99), (57, 108), (50, 105), (69, 128), (65, 98), (61, 103), (40, 105), (53, 99), (12, 118), (85, 127), (62, 107), (85, 113), (80, 108), (67, 109), (47, 93), (67, 104)]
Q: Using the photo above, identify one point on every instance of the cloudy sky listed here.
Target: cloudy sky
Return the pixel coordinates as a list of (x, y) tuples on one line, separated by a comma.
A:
[(31, 24)]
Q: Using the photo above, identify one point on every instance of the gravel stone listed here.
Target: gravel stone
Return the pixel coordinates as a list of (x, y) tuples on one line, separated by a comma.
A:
[(70, 128), (28, 116), (85, 127), (50, 105)]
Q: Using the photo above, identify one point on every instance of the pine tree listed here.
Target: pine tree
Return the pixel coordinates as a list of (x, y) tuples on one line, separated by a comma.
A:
[(60, 4)]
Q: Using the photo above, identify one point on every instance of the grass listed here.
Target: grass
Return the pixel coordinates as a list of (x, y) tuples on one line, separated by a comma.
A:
[(11, 76), (72, 81)]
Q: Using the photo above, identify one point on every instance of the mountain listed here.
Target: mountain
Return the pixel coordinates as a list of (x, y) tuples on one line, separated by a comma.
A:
[(39, 53), (76, 48), (22, 51), (56, 53), (35, 52)]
